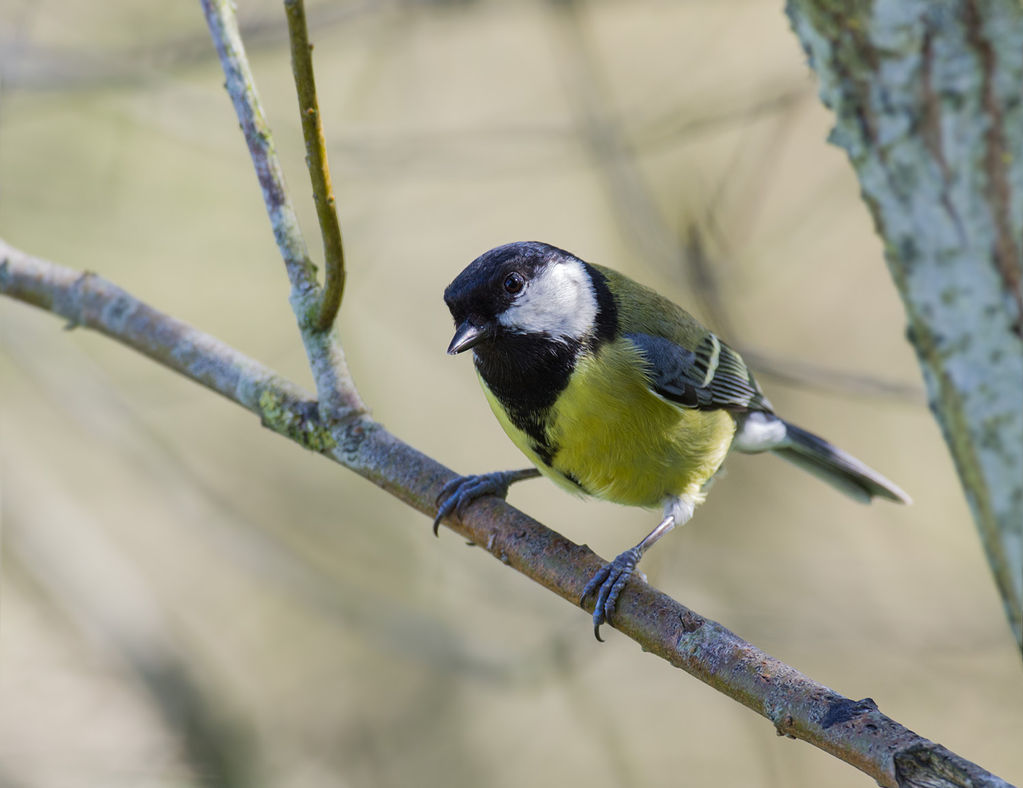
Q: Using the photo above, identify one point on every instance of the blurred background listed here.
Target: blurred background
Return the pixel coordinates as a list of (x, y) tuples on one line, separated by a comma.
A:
[(188, 599)]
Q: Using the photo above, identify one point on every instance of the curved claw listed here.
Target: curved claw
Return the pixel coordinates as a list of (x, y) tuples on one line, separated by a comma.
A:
[(608, 582), (451, 495), (459, 493)]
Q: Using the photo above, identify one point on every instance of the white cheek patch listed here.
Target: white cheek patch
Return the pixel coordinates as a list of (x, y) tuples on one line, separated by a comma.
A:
[(560, 302)]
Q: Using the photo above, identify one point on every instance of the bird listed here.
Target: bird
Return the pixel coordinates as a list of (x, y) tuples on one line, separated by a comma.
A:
[(613, 391)]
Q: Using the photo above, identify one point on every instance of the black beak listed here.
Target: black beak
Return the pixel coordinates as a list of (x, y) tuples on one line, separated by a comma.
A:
[(468, 336)]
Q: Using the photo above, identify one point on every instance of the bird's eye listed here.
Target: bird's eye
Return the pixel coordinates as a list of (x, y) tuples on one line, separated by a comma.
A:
[(514, 282)]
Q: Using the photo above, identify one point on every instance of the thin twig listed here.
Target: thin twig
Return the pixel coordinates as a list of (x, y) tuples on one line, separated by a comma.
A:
[(336, 393), (319, 169), (855, 731), (241, 86)]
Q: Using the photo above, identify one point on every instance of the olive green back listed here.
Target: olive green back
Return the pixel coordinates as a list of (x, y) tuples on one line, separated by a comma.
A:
[(644, 311)]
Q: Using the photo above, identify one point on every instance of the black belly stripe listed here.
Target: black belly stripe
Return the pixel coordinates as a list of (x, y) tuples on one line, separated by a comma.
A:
[(526, 373), (544, 451)]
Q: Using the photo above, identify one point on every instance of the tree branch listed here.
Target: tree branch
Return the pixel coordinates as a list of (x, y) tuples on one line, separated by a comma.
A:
[(319, 170), (241, 86), (926, 99), (854, 731), (338, 398)]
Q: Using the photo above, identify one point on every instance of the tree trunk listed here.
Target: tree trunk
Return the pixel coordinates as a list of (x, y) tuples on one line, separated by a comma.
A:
[(927, 103)]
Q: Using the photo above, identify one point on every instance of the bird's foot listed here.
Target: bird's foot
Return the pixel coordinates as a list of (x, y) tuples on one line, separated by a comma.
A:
[(459, 493), (608, 584)]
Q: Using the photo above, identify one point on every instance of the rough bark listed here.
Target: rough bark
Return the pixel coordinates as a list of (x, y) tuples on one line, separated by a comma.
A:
[(927, 103)]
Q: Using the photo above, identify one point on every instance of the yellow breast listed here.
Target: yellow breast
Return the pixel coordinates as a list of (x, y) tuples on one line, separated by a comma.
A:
[(610, 433)]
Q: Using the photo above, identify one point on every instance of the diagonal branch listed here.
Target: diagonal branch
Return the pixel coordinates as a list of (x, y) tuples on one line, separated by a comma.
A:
[(854, 731)]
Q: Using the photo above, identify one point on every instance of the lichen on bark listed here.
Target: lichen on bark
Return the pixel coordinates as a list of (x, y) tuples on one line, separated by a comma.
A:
[(928, 108)]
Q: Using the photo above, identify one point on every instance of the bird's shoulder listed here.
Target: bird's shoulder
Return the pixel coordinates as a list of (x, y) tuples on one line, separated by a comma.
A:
[(642, 310), (686, 362)]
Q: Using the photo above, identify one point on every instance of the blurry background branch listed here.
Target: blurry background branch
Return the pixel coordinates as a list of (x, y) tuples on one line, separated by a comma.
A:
[(82, 571), (854, 731), (927, 106), (658, 238)]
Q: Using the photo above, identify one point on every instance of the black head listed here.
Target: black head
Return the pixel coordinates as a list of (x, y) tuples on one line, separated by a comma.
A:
[(521, 288)]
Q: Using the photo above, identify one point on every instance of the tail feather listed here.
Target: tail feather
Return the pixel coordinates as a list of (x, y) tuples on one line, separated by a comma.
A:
[(836, 467)]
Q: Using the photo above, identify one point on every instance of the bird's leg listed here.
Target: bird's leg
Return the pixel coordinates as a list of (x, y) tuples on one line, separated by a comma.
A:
[(611, 579), (459, 493)]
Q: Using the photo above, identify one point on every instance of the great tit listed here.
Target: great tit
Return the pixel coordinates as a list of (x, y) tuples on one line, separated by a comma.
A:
[(612, 390)]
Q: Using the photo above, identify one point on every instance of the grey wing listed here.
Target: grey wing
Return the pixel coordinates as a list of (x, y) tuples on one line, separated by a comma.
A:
[(713, 376)]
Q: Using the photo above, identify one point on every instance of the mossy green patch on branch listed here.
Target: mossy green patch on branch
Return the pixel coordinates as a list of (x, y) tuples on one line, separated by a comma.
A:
[(301, 428)]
